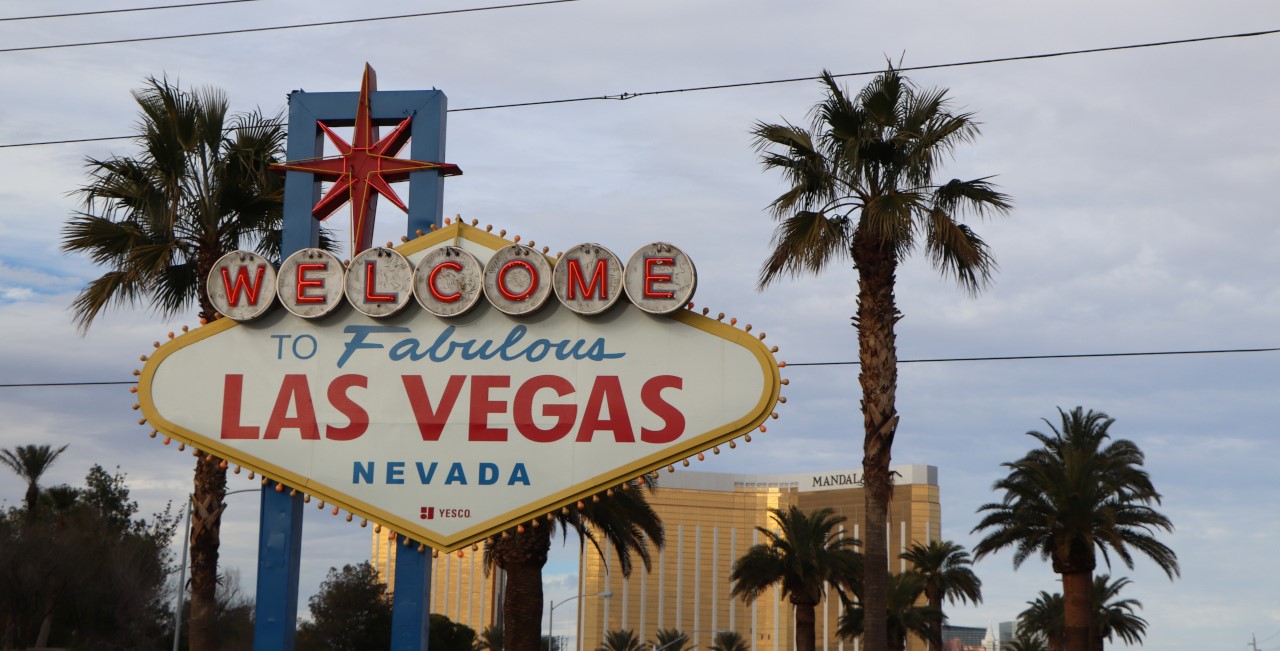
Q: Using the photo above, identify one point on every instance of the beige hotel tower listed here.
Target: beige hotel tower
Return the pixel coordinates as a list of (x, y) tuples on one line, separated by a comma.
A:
[(710, 521)]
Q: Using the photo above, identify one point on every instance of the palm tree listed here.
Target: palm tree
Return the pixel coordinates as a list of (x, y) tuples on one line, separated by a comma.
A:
[(803, 555), (1026, 641), (1115, 616), (490, 639), (1077, 495), (905, 615), (862, 187), (947, 573), (671, 639), (30, 462), (624, 518), (729, 641), (1044, 618), (199, 188), (621, 640)]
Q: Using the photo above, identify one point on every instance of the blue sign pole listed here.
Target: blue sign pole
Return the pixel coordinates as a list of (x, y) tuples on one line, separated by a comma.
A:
[(280, 525)]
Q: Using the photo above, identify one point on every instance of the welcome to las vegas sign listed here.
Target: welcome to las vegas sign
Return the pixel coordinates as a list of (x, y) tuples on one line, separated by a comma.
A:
[(450, 423)]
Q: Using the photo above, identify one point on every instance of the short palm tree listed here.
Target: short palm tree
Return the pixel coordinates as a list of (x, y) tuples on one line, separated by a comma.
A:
[(671, 639), (30, 462), (621, 640), (804, 554), (1043, 617), (1078, 494), (729, 641), (1026, 641), (948, 575), (490, 639), (905, 615), (1116, 616), (863, 187), (624, 518), (199, 187)]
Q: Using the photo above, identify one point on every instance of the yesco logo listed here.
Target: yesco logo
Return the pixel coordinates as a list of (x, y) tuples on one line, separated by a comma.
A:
[(518, 280)]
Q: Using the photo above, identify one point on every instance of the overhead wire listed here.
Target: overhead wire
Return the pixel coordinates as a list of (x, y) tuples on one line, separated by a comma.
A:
[(932, 360), (275, 28), (690, 89), (99, 12)]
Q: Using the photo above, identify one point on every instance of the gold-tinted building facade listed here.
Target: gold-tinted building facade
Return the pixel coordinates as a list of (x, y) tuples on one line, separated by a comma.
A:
[(710, 521)]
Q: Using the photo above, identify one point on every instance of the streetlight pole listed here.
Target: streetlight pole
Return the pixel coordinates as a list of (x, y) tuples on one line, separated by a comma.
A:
[(182, 569), (552, 614)]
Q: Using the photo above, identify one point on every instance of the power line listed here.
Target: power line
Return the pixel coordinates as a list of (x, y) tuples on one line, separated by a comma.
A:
[(628, 95), (934, 360), (274, 28), (125, 11), (1005, 358)]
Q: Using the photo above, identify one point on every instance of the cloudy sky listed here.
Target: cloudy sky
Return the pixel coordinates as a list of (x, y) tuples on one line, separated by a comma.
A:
[(1145, 221)]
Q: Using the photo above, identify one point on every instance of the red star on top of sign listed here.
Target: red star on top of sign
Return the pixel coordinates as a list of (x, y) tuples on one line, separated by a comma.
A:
[(364, 168)]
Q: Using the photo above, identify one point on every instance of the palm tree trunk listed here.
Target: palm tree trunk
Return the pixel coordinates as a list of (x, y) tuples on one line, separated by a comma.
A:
[(209, 492), (877, 352), (1077, 595), (935, 602), (206, 521), (806, 627), (522, 556)]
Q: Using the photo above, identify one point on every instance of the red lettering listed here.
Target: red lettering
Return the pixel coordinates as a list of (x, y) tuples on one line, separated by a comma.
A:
[(241, 285), (293, 391), (651, 277), (431, 421), (502, 280), (482, 407), (304, 282), (431, 281), (358, 417), (232, 392), (672, 419), (563, 413), (371, 294), (607, 389), (599, 278)]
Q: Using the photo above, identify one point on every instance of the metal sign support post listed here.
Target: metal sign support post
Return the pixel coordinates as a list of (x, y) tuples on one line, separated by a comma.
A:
[(280, 527)]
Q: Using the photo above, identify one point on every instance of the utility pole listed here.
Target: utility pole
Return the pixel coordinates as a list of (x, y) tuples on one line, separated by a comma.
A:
[(1254, 642)]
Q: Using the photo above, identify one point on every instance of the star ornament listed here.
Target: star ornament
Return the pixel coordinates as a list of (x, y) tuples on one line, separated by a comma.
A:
[(364, 168)]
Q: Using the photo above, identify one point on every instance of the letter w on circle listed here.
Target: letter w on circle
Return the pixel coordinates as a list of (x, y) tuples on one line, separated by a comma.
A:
[(241, 285), (599, 278), (431, 421)]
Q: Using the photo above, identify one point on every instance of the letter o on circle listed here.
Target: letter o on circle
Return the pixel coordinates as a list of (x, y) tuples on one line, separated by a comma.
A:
[(517, 280)]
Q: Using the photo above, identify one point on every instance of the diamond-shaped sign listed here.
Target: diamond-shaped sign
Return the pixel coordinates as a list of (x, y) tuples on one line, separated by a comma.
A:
[(450, 430)]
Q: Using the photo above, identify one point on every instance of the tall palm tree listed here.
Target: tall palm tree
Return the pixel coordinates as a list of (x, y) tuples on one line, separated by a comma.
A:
[(1078, 494), (621, 640), (948, 574), (729, 641), (905, 615), (624, 518), (804, 554), (30, 462), (1115, 616), (199, 187), (1044, 618), (862, 188)]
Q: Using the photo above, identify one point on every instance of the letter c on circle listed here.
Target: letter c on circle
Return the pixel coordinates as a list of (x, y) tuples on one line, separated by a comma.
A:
[(431, 282)]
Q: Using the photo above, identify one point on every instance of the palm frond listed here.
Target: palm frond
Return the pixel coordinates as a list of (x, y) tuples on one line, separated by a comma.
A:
[(806, 242)]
